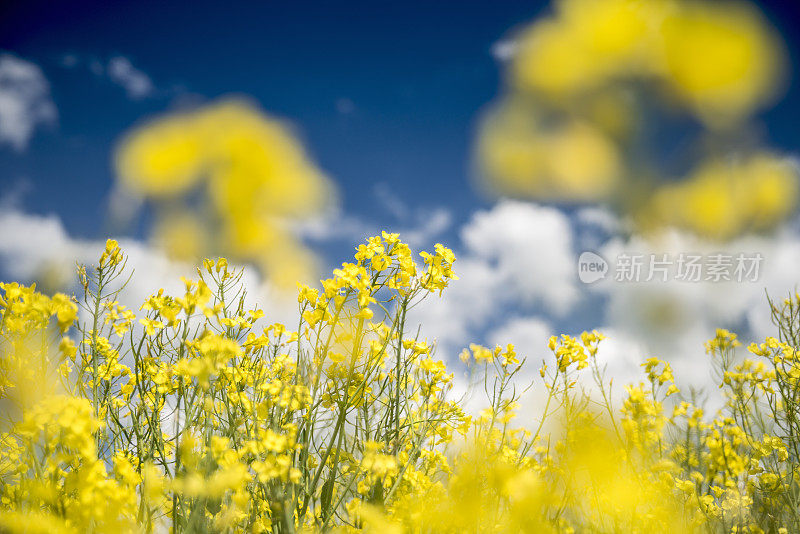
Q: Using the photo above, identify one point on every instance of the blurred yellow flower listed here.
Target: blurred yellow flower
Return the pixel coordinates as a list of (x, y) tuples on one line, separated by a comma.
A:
[(523, 156), (725, 198), (588, 86), (722, 58), (587, 44), (182, 234), (164, 158), (253, 180)]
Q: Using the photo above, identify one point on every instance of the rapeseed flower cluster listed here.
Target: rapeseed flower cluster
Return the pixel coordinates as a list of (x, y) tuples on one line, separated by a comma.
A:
[(195, 414)]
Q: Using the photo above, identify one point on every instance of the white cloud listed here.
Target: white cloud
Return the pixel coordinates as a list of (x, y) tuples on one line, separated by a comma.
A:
[(529, 336), (672, 319), (515, 254), (464, 308), (512, 256), (136, 83), (25, 101), (30, 243), (530, 249), (779, 279)]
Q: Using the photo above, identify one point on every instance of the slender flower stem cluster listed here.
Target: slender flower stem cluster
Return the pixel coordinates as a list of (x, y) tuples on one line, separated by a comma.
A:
[(196, 414)]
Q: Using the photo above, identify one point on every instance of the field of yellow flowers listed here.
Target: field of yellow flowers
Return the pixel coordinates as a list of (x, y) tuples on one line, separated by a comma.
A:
[(185, 417), (197, 413)]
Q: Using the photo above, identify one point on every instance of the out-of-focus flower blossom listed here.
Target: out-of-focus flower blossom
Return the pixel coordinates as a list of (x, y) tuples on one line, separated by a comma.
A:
[(588, 43), (589, 86), (722, 59), (570, 160), (725, 198), (227, 176), (162, 159)]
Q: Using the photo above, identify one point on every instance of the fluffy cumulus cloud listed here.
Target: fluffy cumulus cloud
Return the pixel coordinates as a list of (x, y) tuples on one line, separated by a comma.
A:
[(530, 249), (529, 335), (512, 257), (33, 244), (670, 317), (25, 101), (518, 270)]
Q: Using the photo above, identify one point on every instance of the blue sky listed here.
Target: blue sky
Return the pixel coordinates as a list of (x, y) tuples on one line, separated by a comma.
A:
[(411, 78), (385, 97), (409, 81)]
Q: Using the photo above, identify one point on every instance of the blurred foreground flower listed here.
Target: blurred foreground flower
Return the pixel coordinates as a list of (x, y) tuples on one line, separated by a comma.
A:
[(595, 89), (29, 366), (226, 178)]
